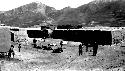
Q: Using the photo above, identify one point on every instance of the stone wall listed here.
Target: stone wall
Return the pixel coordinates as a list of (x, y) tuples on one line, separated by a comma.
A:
[(118, 36)]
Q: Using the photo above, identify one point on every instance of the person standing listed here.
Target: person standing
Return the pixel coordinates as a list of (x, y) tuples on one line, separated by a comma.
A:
[(10, 51), (19, 47), (34, 43), (80, 49), (95, 48), (61, 43)]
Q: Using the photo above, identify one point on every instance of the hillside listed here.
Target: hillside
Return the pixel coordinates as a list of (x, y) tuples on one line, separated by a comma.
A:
[(107, 13), (27, 15), (99, 12), (103, 12)]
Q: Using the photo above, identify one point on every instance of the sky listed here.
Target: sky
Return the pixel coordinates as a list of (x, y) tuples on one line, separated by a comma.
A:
[(6, 5)]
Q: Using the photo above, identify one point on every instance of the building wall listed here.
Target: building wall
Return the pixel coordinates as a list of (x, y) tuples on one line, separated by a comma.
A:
[(118, 35), (5, 39), (101, 37), (20, 36)]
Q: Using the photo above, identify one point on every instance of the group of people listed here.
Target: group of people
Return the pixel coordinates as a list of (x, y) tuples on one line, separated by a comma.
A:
[(81, 46), (35, 45), (11, 51), (48, 47)]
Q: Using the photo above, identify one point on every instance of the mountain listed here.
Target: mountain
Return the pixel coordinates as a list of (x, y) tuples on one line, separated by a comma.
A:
[(107, 12), (99, 12), (96, 13), (28, 15), (64, 16)]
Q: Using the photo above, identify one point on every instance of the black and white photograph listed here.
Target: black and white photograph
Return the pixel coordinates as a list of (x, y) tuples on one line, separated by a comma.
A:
[(62, 35)]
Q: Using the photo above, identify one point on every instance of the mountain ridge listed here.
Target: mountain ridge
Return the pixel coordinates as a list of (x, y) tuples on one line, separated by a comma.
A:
[(98, 12)]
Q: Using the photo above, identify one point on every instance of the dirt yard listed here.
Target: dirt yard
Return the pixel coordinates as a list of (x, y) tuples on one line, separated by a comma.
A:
[(31, 59)]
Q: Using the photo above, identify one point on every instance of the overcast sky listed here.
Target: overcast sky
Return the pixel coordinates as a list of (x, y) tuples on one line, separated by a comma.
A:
[(58, 4)]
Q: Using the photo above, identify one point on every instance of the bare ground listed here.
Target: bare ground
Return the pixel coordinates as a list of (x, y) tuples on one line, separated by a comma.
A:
[(30, 59)]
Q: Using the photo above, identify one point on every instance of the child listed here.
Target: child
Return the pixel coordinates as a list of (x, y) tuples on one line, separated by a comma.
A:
[(19, 47)]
